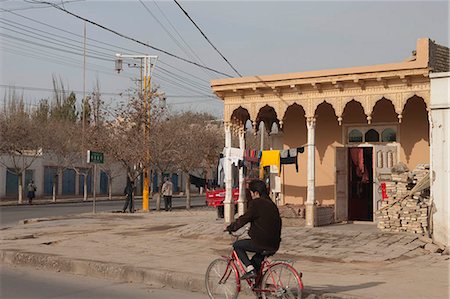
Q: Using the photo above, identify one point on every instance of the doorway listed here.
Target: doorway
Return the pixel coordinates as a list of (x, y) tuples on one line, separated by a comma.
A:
[(360, 183)]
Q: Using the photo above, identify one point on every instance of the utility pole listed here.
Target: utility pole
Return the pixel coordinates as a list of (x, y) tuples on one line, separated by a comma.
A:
[(147, 64), (84, 118)]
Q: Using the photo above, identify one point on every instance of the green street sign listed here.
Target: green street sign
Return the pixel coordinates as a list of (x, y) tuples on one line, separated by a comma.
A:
[(95, 157)]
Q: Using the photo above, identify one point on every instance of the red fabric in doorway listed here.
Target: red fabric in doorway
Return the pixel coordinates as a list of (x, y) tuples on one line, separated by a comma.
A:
[(357, 155)]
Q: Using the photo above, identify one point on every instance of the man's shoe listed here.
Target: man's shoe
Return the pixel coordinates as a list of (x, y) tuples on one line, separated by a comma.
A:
[(250, 274)]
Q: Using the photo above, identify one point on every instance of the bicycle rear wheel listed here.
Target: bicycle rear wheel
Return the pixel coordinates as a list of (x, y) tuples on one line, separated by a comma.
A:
[(281, 281), (221, 280)]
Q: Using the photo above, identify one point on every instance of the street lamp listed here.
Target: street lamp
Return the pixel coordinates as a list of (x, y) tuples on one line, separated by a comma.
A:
[(119, 64), (147, 64)]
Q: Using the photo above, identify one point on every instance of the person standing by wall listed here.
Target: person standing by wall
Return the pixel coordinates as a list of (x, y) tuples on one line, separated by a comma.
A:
[(167, 190), (31, 188), (129, 192)]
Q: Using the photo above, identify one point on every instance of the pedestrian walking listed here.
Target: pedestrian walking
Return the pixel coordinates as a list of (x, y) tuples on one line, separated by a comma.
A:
[(31, 188), (129, 192), (167, 191)]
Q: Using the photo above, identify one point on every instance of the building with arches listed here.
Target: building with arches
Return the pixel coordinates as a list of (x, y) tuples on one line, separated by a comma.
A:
[(377, 115)]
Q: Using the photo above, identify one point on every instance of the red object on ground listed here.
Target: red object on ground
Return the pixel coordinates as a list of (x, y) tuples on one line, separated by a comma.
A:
[(383, 191), (215, 198)]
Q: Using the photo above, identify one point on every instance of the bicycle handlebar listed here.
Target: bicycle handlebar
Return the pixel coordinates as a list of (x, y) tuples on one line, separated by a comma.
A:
[(237, 235)]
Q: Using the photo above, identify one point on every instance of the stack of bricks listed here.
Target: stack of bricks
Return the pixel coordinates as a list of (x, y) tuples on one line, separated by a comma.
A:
[(403, 212)]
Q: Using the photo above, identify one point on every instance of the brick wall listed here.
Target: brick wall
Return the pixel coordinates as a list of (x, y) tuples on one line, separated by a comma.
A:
[(439, 58)]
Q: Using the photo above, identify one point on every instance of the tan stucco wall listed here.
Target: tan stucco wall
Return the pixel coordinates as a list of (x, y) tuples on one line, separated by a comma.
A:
[(414, 134), (295, 135), (328, 136)]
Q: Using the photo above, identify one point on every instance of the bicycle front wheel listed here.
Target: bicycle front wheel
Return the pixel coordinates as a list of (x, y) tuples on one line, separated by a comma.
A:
[(281, 281), (221, 280)]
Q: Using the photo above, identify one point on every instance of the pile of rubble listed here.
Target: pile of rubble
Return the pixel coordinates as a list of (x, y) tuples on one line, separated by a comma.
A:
[(407, 207)]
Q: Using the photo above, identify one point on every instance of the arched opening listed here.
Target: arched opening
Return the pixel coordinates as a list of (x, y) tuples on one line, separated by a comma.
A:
[(353, 113), (295, 135), (384, 112), (240, 116), (267, 115), (414, 129), (372, 136), (355, 135), (388, 135), (328, 136)]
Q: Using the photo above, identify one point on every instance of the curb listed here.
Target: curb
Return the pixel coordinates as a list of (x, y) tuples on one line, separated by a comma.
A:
[(49, 201), (105, 270), (122, 272), (43, 202)]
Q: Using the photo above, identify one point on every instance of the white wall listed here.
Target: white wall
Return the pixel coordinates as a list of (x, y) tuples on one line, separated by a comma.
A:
[(118, 183), (440, 162), (36, 166)]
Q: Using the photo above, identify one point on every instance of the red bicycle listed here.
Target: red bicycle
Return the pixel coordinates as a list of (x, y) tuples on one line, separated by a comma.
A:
[(276, 279)]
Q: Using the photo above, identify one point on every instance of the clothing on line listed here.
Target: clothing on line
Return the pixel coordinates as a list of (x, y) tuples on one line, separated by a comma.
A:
[(234, 155), (198, 182), (268, 158)]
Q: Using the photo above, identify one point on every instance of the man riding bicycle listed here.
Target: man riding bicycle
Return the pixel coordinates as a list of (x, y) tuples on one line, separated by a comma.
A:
[(265, 229)]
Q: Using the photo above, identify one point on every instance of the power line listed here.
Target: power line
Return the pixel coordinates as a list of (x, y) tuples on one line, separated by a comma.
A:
[(193, 88), (131, 38), (207, 39), (100, 54), (29, 88), (58, 43), (99, 42), (18, 25), (63, 61), (182, 79), (50, 47), (178, 33), (170, 34)]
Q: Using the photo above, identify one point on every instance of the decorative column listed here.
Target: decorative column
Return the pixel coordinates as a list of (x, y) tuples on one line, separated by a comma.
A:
[(242, 199), (228, 202), (310, 208)]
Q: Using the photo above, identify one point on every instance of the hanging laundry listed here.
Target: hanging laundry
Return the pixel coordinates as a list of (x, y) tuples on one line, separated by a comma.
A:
[(251, 156), (268, 158), (198, 182), (289, 156), (234, 155), (221, 171)]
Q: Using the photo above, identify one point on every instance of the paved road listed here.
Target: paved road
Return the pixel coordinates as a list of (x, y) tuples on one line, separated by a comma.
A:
[(13, 214), (21, 283)]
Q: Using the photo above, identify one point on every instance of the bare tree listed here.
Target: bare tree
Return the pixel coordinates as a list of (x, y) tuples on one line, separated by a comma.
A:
[(199, 143), (21, 138)]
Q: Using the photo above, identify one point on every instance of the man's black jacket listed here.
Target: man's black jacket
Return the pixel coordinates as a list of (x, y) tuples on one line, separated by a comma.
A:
[(265, 223)]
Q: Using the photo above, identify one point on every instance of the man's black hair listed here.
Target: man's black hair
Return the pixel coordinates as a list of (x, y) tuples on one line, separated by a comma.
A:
[(260, 187)]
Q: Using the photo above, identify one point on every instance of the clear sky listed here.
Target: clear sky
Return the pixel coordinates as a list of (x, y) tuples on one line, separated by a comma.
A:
[(257, 37)]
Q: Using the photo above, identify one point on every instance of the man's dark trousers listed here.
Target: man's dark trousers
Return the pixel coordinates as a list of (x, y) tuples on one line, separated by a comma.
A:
[(167, 202), (247, 245), (129, 202)]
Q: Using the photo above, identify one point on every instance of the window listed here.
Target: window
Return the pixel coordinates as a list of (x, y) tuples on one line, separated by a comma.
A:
[(372, 136), (355, 136), (388, 135)]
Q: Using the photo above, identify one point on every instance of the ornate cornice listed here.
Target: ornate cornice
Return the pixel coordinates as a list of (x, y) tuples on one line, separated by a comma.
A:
[(368, 96)]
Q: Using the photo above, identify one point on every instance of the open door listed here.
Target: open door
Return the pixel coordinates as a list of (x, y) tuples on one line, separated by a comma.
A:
[(384, 158), (341, 186)]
